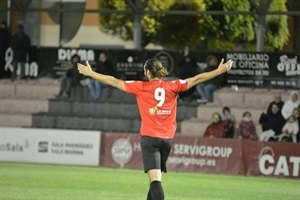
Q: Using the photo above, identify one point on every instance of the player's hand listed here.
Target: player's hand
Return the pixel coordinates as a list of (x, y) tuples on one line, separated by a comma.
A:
[(84, 69), (225, 67)]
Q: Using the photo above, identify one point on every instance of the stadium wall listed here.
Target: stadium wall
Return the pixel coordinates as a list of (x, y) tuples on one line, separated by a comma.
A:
[(122, 150), (262, 70)]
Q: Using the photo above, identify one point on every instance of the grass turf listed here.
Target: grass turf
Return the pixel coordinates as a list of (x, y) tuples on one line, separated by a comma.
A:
[(41, 182)]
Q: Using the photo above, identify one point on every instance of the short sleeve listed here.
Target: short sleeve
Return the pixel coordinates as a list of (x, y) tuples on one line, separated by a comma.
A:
[(133, 87), (181, 85)]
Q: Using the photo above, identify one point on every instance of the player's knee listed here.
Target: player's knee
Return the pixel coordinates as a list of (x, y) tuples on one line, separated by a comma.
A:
[(154, 175)]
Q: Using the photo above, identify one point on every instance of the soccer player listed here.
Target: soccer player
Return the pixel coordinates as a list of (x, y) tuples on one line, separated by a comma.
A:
[(157, 103)]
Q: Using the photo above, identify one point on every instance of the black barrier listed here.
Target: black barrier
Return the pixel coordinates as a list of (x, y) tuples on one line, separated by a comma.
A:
[(263, 70)]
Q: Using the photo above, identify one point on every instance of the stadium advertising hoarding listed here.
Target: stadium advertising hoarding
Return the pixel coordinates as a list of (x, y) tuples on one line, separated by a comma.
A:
[(52, 146), (271, 159), (187, 154), (263, 70), (121, 150), (197, 154), (204, 155)]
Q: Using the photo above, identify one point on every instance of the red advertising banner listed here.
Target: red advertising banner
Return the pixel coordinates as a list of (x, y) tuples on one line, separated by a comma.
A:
[(188, 154), (121, 150), (271, 159), (205, 155)]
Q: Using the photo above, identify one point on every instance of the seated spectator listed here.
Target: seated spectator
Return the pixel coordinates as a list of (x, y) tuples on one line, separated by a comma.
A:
[(271, 123), (217, 128), (104, 66), (290, 104), (278, 101), (296, 113), (206, 89), (246, 129), (290, 130), (227, 115), (71, 78)]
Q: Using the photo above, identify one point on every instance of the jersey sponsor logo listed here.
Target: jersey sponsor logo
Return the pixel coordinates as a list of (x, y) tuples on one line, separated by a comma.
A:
[(152, 111), (156, 111)]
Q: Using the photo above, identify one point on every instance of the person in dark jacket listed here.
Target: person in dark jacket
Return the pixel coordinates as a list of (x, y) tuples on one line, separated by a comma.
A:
[(187, 68), (277, 100), (71, 78), (5, 38), (20, 45), (272, 121)]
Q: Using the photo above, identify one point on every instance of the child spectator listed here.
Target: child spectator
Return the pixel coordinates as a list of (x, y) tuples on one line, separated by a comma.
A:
[(227, 115), (290, 130), (246, 129)]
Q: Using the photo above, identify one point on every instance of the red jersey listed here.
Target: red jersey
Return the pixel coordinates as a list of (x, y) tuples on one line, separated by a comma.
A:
[(157, 103)]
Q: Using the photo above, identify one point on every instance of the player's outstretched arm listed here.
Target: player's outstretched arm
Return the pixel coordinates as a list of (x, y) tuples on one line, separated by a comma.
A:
[(202, 77), (109, 80)]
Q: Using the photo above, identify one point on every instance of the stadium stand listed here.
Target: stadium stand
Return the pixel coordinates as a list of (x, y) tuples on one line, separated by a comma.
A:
[(33, 103), (253, 100)]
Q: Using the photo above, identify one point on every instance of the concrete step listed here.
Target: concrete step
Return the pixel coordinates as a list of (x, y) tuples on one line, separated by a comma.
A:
[(15, 120), (23, 106)]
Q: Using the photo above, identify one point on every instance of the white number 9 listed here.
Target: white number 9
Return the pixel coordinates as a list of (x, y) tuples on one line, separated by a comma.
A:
[(160, 95)]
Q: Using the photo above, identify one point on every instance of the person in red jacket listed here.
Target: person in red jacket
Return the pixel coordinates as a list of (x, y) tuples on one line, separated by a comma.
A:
[(157, 103), (217, 128)]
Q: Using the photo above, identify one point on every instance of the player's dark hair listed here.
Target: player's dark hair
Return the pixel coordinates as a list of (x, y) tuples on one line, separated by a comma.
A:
[(155, 67)]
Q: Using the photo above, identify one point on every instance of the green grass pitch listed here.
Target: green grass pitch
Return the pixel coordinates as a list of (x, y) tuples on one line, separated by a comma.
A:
[(56, 182)]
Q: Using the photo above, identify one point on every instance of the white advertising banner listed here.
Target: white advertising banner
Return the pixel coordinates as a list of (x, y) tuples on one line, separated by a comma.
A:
[(55, 146)]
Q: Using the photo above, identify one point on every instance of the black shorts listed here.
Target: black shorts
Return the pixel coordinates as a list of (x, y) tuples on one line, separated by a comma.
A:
[(155, 153)]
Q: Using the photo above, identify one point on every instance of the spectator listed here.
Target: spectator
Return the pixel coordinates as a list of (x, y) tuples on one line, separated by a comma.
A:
[(217, 128), (5, 37), (187, 68), (206, 89), (104, 66), (271, 123), (290, 130), (277, 100), (227, 115), (71, 78), (296, 113), (20, 45), (290, 104), (246, 129)]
